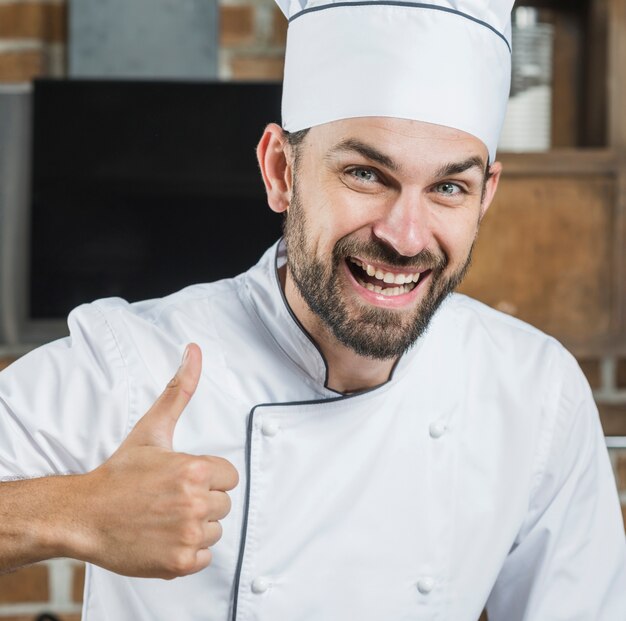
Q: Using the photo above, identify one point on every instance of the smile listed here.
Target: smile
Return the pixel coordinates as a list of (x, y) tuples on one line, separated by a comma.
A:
[(386, 283)]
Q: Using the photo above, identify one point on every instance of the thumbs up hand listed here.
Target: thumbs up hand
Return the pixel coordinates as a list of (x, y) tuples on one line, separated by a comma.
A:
[(149, 511)]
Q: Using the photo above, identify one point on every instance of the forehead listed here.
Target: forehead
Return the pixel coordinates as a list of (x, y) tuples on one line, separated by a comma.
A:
[(405, 141)]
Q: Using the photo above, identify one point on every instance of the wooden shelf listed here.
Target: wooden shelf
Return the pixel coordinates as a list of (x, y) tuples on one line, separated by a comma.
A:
[(566, 162)]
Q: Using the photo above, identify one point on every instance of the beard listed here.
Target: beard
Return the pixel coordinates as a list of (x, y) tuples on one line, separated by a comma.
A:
[(371, 332)]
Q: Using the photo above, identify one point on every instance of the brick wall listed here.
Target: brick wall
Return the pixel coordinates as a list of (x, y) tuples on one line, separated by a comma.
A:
[(252, 40), (54, 587), (32, 39)]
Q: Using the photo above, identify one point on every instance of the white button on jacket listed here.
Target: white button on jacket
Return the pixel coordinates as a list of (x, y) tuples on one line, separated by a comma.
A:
[(436, 430), (425, 585), (260, 585), (349, 503), (269, 428)]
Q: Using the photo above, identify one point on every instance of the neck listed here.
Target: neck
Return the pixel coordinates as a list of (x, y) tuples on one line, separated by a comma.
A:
[(347, 371)]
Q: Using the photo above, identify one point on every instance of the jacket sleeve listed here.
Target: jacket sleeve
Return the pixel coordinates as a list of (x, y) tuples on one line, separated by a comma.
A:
[(569, 559), (64, 407)]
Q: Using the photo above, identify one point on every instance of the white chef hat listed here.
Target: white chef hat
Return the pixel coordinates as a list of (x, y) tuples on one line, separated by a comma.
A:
[(444, 61)]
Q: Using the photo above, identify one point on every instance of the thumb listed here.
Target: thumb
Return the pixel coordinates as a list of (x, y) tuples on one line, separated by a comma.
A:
[(156, 427)]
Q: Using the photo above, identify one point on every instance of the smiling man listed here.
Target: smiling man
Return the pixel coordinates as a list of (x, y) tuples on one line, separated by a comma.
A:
[(361, 443)]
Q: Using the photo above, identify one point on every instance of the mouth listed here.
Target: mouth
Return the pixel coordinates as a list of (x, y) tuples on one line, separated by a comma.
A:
[(383, 281)]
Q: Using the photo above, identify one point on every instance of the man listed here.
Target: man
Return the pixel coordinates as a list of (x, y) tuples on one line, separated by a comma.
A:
[(401, 453)]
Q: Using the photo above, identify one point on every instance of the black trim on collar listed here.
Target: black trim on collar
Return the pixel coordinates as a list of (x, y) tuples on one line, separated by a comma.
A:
[(306, 333), (296, 320), (418, 5)]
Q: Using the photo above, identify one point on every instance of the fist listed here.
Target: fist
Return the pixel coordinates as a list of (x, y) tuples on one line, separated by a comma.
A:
[(156, 512)]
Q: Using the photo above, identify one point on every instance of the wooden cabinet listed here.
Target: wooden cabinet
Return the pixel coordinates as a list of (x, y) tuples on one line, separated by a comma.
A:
[(552, 247)]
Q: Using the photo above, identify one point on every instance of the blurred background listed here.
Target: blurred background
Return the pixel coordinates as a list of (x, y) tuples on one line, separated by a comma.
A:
[(116, 115)]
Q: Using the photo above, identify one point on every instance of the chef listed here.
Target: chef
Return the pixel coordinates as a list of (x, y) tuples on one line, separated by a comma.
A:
[(345, 438)]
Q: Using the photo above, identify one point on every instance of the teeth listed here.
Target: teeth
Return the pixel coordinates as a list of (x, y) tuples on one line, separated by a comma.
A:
[(389, 278), (388, 291)]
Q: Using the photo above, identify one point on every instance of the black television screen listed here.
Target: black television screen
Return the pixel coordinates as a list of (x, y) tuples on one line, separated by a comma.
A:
[(141, 188)]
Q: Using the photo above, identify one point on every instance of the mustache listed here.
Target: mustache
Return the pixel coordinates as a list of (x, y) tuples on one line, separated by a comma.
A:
[(377, 251)]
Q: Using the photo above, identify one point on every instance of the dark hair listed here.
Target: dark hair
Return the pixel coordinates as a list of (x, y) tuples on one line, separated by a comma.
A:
[(295, 138)]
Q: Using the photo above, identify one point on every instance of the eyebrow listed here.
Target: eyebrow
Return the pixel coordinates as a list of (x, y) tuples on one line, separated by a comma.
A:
[(456, 168), (352, 145)]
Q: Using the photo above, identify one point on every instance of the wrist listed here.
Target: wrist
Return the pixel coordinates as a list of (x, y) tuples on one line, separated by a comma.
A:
[(63, 528)]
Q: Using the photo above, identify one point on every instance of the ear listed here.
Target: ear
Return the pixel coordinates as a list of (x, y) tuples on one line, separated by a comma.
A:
[(490, 187), (275, 163)]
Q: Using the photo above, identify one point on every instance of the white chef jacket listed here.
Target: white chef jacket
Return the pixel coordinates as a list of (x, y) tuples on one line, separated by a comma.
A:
[(477, 473)]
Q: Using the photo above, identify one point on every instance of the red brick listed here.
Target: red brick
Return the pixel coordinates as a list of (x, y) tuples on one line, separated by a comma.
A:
[(31, 617), (279, 28), (34, 20), (5, 362), (613, 417), (621, 373), (78, 583), (236, 25), (257, 68), (29, 584), (21, 66), (621, 473), (591, 369)]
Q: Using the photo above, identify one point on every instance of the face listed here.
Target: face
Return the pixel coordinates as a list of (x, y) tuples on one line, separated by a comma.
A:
[(382, 217)]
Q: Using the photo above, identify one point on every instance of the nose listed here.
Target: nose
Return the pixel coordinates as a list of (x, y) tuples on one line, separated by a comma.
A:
[(405, 225)]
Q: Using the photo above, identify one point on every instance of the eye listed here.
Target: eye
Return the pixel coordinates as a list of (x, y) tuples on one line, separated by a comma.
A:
[(364, 175), (449, 189)]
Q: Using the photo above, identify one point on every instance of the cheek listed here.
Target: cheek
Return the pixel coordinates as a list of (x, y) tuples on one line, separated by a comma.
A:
[(344, 213), (456, 233)]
